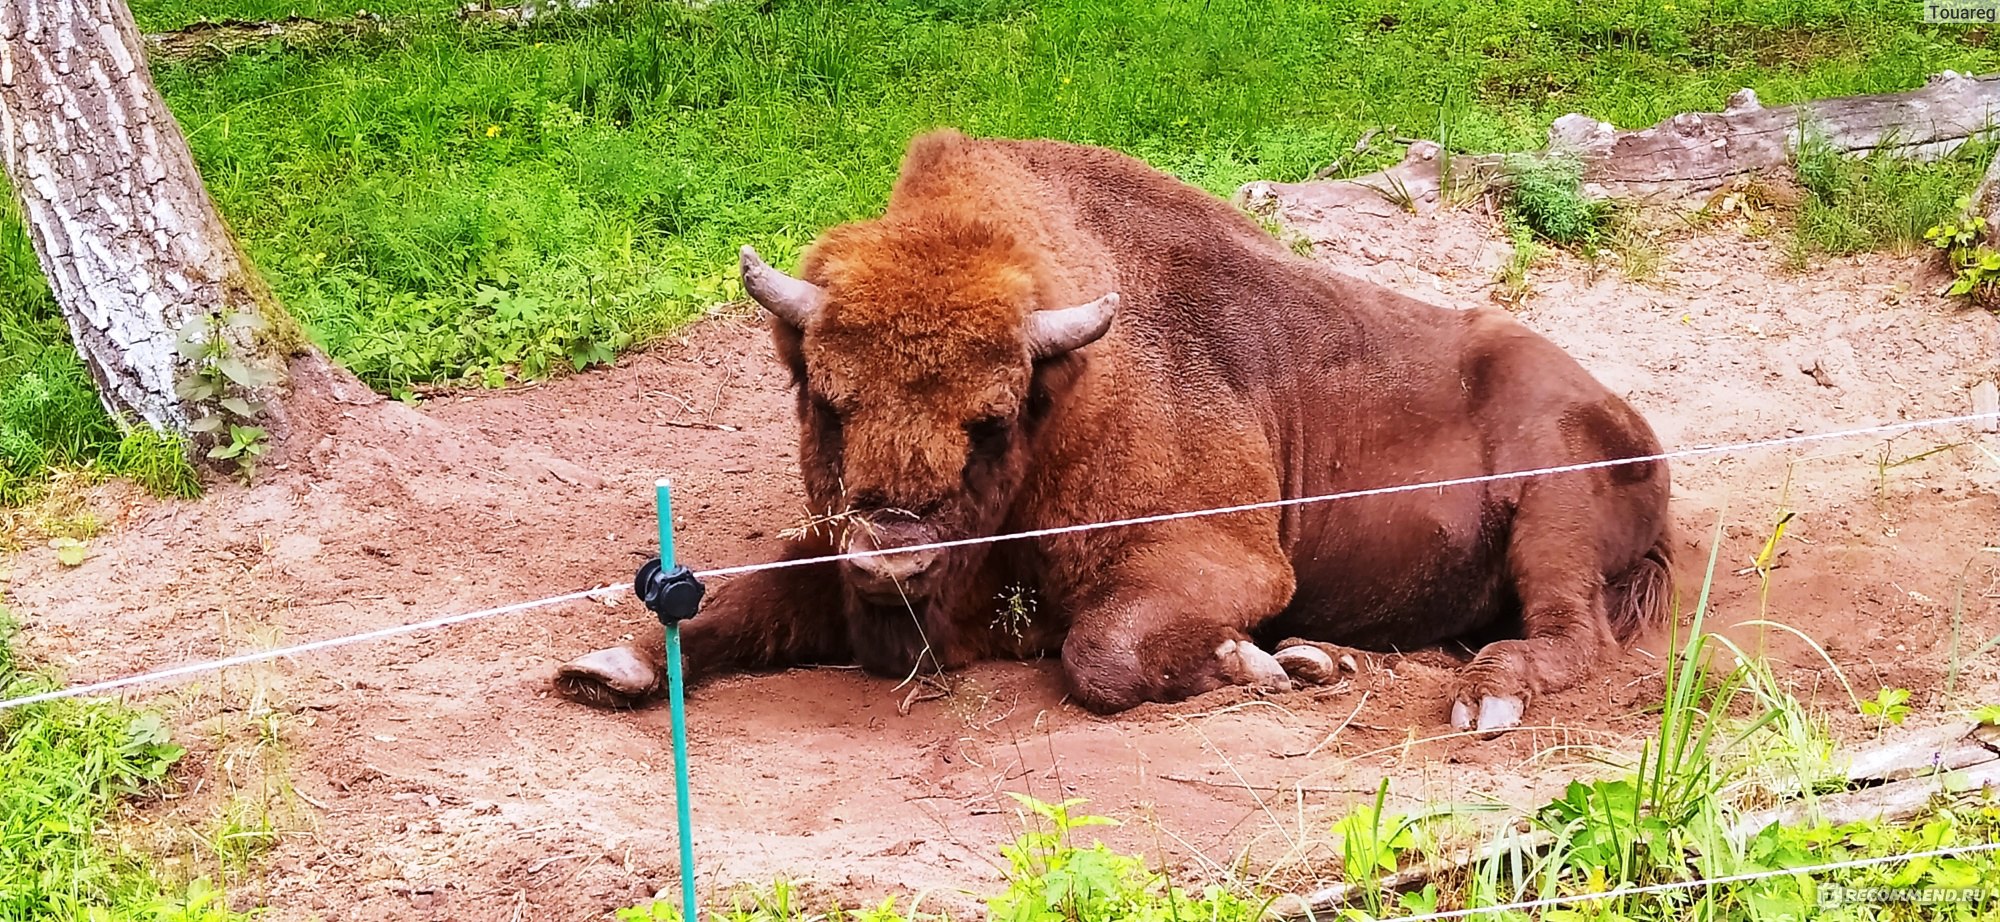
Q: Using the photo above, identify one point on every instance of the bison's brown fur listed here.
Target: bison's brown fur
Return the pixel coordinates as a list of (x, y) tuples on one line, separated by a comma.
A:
[(1234, 372)]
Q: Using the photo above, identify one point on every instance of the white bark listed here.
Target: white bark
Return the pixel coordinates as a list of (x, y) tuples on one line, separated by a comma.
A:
[(129, 238)]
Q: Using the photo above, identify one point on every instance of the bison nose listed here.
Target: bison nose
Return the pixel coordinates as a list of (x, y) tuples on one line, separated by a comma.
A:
[(887, 571)]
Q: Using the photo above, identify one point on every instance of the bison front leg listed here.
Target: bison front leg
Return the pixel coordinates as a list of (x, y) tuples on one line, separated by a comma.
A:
[(1145, 634), (762, 620)]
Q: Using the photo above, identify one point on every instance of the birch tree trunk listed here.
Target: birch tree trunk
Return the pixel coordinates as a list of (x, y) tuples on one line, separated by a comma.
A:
[(154, 288)]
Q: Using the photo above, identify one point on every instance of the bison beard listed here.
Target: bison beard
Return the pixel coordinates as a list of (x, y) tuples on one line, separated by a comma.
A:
[(1037, 334)]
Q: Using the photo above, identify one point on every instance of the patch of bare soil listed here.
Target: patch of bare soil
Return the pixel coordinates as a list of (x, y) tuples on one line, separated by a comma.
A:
[(442, 782)]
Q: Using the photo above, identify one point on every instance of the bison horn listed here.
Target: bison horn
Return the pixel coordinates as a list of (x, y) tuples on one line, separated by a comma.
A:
[(1053, 333), (793, 300)]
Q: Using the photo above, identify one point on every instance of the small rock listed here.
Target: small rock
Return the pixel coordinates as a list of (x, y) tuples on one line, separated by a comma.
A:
[(1743, 100)]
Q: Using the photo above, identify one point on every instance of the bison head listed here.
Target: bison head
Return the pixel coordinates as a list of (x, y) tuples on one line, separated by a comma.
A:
[(923, 358)]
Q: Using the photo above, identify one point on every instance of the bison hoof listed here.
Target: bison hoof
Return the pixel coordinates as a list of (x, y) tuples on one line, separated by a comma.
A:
[(1313, 664), (1494, 714), (615, 677), (1247, 664)]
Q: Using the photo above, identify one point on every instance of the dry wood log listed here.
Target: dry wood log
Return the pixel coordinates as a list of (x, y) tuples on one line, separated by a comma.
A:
[(1951, 746), (1698, 153), (1693, 154), (1895, 780), (1891, 802), (210, 41), (1415, 185)]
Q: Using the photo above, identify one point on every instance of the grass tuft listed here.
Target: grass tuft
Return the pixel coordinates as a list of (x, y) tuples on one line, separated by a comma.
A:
[(67, 766), (1878, 202)]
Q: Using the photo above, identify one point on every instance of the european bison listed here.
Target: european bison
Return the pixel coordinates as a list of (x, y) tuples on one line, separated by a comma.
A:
[(1038, 334)]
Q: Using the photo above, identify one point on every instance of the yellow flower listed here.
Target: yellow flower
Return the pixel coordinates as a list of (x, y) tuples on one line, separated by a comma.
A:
[(1065, 80), (493, 131)]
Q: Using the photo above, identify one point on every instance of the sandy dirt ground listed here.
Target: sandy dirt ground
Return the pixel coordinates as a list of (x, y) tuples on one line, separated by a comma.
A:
[(432, 777)]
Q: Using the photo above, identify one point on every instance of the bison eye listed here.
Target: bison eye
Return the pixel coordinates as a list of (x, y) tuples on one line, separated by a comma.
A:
[(989, 435)]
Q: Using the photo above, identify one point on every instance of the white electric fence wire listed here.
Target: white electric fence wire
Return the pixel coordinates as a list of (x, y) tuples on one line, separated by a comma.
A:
[(258, 656), (605, 592)]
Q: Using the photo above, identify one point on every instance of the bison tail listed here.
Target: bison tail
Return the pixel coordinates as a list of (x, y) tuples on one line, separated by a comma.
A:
[(1642, 597)]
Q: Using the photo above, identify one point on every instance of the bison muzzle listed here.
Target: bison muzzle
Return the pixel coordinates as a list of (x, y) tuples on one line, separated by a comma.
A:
[(1036, 334)]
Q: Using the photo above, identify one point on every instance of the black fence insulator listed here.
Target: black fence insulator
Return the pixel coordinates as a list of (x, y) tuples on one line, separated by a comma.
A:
[(674, 595)]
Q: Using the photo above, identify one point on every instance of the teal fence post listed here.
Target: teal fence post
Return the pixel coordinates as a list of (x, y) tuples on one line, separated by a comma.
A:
[(676, 697)]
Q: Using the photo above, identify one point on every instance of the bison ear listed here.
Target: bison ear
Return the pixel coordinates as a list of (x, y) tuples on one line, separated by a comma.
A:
[(1053, 333), (793, 300)]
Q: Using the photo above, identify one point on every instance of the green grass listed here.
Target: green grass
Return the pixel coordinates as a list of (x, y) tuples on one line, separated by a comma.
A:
[(65, 767), (485, 204), (453, 203), (1878, 202)]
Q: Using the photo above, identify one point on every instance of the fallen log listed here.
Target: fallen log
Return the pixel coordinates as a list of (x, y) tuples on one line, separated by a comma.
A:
[(1693, 154), (212, 41), (1893, 781), (1698, 153)]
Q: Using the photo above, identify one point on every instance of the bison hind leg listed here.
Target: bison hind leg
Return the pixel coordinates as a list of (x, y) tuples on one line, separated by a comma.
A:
[(1567, 600)]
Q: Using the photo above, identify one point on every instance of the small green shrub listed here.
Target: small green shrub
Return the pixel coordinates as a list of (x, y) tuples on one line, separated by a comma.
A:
[(1546, 196), (1053, 879), (1975, 266)]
